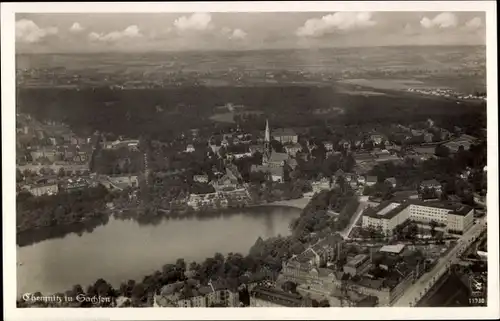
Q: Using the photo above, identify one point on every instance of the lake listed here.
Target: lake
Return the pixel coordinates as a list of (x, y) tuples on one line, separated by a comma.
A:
[(123, 250)]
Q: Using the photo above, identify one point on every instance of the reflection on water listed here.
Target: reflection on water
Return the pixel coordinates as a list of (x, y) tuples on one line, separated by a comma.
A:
[(124, 249)]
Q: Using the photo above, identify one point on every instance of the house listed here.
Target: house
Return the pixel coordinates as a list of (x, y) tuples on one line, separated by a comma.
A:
[(120, 182), (215, 149), (363, 157), (201, 178), (428, 137), (392, 249), (345, 144), (350, 177), (256, 148), (338, 174), (321, 185), (292, 149), (190, 148), (275, 159), (277, 174), (44, 189), (357, 265), (417, 132), (285, 135), (53, 141), (371, 180), (377, 139), (292, 162), (431, 184), (392, 181), (464, 141), (328, 146)]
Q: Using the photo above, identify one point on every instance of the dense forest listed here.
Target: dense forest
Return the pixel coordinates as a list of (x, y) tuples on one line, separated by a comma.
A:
[(134, 112)]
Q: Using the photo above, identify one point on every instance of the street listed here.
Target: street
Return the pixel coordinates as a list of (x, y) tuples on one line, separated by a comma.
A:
[(416, 291), (357, 215)]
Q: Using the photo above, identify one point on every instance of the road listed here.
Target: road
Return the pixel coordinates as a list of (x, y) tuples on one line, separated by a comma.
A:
[(361, 207), (416, 291)]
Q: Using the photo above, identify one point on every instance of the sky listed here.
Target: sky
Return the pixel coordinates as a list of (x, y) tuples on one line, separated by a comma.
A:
[(132, 32)]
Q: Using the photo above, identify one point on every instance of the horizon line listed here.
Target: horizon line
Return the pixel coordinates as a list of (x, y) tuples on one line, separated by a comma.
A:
[(241, 50)]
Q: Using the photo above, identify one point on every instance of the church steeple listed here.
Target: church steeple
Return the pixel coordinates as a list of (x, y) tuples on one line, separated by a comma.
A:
[(267, 138), (267, 143)]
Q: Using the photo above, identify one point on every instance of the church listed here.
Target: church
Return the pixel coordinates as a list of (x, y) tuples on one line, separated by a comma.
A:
[(273, 162)]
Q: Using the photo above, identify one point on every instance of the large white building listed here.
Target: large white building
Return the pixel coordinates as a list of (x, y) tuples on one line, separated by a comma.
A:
[(386, 216), (456, 218)]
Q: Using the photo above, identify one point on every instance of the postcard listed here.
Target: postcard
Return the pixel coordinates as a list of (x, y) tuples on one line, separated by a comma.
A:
[(291, 158)]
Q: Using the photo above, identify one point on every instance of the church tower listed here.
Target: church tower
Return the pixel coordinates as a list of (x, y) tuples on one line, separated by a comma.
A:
[(267, 138), (267, 143)]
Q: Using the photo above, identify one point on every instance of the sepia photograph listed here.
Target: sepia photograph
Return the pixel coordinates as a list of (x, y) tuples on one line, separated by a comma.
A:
[(199, 155)]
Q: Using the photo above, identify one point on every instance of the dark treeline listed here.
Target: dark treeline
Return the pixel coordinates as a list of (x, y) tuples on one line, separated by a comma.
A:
[(133, 112), (62, 209), (53, 232)]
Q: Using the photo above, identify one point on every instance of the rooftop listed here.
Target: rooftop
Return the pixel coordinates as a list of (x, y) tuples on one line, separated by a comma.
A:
[(276, 171), (357, 260), (430, 182), (277, 296), (278, 157), (306, 256), (296, 145), (396, 248), (283, 132), (385, 210), (462, 210)]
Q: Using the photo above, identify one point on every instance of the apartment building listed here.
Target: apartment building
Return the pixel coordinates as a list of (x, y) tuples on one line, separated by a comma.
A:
[(457, 218), (385, 217)]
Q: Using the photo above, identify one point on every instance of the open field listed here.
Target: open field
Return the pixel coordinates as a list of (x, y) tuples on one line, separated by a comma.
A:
[(384, 84)]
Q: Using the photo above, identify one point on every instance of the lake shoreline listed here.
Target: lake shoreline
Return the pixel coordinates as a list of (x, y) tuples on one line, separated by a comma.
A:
[(34, 236), (170, 240)]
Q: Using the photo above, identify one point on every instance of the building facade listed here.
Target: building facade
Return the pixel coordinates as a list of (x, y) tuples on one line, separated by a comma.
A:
[(271, 297), (456, 218)]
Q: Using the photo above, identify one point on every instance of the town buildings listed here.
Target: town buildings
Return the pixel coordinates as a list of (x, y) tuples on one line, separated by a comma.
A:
[(293, 149), (388, 215), (322, 185), (273, 163), (119, 182), (464, 140), (43, 189), (201, 178), (431, 184), (357, 265), (191, 294), (271, 297), (285, 136)]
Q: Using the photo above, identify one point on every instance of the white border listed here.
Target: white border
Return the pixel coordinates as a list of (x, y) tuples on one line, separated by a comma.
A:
[(8, 164)]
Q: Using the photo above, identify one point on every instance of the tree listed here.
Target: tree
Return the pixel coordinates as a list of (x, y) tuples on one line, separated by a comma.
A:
[(433, 224), (61, 172), (181, 265), (442, 151), (289, 286)]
